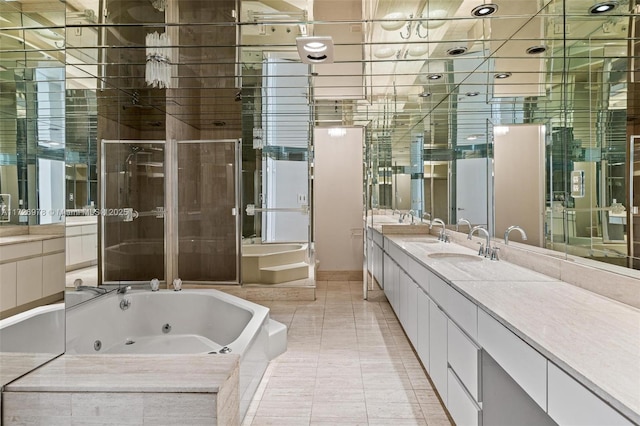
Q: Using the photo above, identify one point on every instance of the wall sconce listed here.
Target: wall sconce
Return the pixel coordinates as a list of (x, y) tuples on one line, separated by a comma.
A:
[(315, 49), (337, 132)]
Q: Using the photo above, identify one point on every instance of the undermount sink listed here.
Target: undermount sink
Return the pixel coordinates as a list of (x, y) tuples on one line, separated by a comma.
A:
[(453, 257), (425, 240)]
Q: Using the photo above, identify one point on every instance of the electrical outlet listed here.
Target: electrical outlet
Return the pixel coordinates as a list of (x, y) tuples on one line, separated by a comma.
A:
[(302, 198)]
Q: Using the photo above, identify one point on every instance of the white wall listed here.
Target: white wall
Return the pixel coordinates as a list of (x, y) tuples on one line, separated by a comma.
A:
[(338, 199)]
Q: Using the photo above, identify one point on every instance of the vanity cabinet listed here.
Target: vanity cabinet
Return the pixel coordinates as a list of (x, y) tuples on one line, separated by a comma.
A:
[(31, 270), (523, 363), (81, 245), (570, 403), (453, 338)]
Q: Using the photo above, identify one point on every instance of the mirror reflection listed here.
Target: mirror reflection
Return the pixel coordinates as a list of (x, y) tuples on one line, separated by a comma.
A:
[(516, 119), (32, 190)]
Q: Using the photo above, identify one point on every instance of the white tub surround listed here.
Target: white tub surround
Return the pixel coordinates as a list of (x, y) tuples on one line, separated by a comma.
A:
[(127, 389), (32, 271), (567, 352), (274, 263), (179, 323), (29, 339)]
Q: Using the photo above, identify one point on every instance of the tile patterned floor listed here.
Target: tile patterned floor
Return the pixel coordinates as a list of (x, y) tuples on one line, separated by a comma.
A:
[(348, 362)]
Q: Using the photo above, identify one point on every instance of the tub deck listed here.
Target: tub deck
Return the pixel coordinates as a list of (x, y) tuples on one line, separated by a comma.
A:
[(127, 389)]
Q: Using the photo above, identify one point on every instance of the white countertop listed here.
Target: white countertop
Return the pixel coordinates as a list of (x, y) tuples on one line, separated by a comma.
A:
[(17, 239), (203, 373), (595, 339)]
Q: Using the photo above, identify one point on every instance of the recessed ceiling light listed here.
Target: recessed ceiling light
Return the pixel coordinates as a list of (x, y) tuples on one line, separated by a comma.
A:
[(502, 75), (315, 50), (484, 10), (425, 94), (434, 76), (535, 50), (472, 94), (603, 7), (472, 138), (455, 51)]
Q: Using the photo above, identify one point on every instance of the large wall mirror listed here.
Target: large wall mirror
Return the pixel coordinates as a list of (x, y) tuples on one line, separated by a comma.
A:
[(32, 185), (523, 123)]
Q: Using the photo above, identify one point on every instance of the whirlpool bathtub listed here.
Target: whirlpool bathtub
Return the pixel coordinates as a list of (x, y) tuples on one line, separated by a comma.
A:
[(274, 263), (184, 322)]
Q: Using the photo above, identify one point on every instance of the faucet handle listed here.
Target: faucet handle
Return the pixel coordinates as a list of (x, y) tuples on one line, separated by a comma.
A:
[(481, 249), (494, 253)]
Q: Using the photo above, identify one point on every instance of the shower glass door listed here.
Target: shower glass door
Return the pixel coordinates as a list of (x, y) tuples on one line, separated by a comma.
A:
[(207, 212), (131, 211)]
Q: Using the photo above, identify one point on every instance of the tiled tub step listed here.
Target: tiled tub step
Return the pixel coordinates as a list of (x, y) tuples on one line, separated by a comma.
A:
[(284, 273)]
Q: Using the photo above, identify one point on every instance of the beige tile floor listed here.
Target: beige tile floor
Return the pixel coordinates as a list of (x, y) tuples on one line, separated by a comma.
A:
[(348, 362)]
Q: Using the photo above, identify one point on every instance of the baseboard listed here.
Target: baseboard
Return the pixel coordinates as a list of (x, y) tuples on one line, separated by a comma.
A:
[(339, 275)]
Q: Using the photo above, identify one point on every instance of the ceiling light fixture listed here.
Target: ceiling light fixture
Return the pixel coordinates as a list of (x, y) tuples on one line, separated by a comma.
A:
[(384, 52), (502, 75), (603, 7), (315, 49), (456, 51), (472, 138), (425, 94), (435, 19), (393, 21), (434, 76), (484, 10), (472, 94), (535, 50)]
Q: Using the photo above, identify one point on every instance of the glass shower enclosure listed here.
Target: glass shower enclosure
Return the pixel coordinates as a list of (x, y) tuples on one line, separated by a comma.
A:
[(169, 210)]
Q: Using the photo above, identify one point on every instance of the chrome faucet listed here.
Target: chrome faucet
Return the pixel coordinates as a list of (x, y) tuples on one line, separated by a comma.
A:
[(462, 220), (412, 213), (123, 290), (442, 236), (482, 251), (96, 290), (511, 228)]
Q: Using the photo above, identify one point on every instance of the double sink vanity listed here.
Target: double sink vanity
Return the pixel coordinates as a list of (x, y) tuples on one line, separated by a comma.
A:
[(508, 344)]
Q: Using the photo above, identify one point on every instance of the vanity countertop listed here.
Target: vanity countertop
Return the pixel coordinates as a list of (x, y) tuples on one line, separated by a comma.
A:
[(81, 220), (17, 239), (130, 373), (595, 339)]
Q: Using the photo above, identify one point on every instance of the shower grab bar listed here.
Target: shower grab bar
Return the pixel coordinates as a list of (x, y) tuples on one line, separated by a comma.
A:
[(251, 210)]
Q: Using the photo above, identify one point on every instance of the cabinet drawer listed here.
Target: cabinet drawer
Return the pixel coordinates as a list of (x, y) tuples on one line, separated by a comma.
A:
[(16, 251), (56, 244), (464, 358), (418, 273), (73, 230), (398, 255), (463, 311), (461, 406), (523, 363), (90, 229), (570, 403), (438, 290), (377, 238)]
